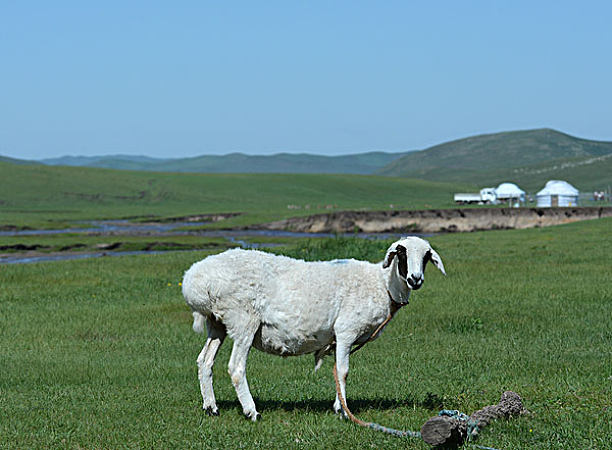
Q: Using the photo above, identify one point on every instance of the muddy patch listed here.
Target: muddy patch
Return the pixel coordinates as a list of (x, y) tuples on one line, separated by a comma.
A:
[(22, 247), (217, 217), (437, 220)]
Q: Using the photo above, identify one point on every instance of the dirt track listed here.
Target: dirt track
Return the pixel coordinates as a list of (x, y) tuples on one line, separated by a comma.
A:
[(437, 220)]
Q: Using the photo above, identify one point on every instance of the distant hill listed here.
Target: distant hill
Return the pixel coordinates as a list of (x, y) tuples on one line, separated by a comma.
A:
[(6, 159), (128, 162), (586, 173), (529, 158), (360, 163)]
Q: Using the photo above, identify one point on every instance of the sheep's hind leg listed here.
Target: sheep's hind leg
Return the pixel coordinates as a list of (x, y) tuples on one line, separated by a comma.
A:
[(237, 371), (206, 360)]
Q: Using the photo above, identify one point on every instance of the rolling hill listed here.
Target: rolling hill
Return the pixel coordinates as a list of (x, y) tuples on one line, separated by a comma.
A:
[(361, 163), (529, 158), (6, 159)]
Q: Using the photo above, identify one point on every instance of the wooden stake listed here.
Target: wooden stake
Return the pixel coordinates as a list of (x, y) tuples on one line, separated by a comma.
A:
[(454, 430)]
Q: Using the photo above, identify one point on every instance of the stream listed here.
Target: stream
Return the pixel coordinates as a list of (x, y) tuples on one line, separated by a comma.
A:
[(125, 227)]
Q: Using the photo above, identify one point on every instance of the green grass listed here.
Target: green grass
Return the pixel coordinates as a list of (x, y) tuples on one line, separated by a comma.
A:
[(586, 174), (100, 353), (48, 197)]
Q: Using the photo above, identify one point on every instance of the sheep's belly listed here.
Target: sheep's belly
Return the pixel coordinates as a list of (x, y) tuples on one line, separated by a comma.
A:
[(290, 343)]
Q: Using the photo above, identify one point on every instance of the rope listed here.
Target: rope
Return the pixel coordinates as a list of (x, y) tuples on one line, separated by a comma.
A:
[(372, 425), (472, 427), (395, 307)]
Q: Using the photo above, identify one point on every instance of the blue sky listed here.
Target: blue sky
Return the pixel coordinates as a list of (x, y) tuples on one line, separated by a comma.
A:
[(171, 79)]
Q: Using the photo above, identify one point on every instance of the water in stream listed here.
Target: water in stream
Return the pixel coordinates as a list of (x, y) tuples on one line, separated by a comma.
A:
[(125, 227)]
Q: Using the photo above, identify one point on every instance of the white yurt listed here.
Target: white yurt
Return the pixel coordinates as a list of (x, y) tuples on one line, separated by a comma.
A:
[(557, 193), (509, 191)]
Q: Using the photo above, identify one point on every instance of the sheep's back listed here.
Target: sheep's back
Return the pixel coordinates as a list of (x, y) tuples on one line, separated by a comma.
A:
[(295, 302), (229, 280)]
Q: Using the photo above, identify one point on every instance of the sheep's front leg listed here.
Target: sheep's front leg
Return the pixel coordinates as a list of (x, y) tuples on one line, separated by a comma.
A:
[(206, 360), (237, 371), (343, 350)]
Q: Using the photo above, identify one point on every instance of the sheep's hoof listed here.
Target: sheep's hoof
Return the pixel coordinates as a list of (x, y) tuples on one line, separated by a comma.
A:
[(211, 412), (253, 416), (338, 408), (340, 413)]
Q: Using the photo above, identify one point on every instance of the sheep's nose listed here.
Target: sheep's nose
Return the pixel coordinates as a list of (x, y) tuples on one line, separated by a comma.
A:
[(415, 280)]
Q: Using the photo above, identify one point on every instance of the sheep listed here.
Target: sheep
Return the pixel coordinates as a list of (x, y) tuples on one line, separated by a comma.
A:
[(287, 307)]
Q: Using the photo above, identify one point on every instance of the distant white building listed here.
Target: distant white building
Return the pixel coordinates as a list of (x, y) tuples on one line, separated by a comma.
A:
[(509, 191), (557, 193)]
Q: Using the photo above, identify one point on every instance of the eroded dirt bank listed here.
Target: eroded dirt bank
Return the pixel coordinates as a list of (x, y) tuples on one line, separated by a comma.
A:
[(437, 220)]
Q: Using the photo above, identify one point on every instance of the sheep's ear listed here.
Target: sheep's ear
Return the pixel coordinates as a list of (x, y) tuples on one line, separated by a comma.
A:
[(436, 260), (389, 258), (402, 261)]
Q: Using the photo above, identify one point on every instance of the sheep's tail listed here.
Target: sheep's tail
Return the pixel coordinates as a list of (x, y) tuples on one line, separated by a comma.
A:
[(199, 321)]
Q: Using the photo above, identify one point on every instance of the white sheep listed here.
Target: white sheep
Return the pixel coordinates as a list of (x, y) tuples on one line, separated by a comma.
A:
[(286, 307)]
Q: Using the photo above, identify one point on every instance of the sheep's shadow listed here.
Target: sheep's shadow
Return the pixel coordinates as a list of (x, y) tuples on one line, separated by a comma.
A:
[(320, 405)]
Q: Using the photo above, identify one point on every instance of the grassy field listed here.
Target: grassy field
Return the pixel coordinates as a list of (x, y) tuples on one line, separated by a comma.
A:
[(586, 174), (100, 354), (49, 197)]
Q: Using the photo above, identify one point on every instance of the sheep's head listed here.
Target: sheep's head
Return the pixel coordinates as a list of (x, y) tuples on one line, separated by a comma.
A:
[(412, 255)]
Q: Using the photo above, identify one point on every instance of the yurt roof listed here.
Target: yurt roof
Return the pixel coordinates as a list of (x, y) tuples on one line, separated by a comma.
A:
[(558, 187), (508, 189)]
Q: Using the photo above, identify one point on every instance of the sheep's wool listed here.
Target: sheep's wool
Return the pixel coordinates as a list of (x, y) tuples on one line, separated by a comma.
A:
[(286, 307), (296, 302)]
